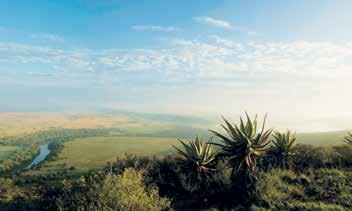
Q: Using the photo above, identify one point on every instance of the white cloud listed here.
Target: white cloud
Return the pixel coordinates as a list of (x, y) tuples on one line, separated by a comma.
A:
[(214, 22), (47, 36), (225, 25), (225, 42), (217, 59), (155, 28)]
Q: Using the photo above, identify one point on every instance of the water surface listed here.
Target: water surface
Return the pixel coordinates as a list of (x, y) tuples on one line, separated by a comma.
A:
[(44, 151)]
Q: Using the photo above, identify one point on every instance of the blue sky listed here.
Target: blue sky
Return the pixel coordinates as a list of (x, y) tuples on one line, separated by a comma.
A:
[(206, 57)]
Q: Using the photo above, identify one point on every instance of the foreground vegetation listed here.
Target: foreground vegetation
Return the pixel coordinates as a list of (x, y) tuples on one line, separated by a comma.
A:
[(247, 166), (146, 182)]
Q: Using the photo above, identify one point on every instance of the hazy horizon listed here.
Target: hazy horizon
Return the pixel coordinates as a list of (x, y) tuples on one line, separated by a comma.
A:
[(292, 59)]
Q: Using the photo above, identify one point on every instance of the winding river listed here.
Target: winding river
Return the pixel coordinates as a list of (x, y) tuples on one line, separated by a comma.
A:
[(44, 151)]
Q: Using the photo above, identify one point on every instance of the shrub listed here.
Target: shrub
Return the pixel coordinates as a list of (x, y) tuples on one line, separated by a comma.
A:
[(128, 192), (276, 187), (130, 161), (316, 206), (331, 185), (345, 155), (8, 190), (307, 156), (172, 181), (323, 189)]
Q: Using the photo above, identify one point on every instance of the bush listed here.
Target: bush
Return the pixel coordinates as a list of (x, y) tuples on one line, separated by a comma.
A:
[(8, 190), (307, 156), (320, 189), (172, 181), (128, 192), (130, 161), (331, 185), (345, 153), (276, 187), (316, 206)]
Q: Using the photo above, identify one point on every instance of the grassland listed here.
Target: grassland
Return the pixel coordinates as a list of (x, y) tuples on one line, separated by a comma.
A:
[(16, 124), (322, 138), (6, 151), (95, 152)]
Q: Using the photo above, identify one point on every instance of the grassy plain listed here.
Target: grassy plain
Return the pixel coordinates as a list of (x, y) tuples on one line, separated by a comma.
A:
[(95, 152), (16, 124), (322, 138)]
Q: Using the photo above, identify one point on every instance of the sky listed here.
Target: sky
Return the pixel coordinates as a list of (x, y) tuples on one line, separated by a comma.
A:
[(291, 58)]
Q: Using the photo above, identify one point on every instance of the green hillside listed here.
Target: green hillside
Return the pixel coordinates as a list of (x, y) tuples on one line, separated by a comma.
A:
[(322, 138)]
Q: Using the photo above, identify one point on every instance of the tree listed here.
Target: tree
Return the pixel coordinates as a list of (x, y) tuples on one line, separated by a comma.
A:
[(240, 148), (282, 148)]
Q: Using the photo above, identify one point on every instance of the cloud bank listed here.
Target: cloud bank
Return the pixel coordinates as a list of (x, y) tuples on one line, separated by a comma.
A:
[(214, 59)]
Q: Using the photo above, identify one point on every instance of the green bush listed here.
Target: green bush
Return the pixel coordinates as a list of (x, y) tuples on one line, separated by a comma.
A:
[(319, 189), (307, 156), (345, 155), (105, 191), (316, 206), (276, 187), (331, 185), (8, 190), (128, 192)]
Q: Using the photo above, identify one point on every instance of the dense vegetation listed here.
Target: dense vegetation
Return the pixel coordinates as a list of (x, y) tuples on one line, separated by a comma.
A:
[(247, 167)]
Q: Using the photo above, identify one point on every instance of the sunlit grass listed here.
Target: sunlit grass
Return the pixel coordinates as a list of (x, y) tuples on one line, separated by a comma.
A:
[(95, 152)]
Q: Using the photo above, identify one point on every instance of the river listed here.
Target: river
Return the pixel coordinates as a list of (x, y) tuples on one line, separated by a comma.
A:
[(44, 151)]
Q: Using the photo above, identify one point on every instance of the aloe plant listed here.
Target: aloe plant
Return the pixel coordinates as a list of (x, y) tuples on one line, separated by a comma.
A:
[(240, 147), (243, 143), (348, 138), (197, 158), (282, 148)]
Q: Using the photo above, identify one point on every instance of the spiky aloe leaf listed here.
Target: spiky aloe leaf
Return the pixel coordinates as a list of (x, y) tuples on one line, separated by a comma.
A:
[(243, 142), (348, 138), (282, 148), (197, 158)]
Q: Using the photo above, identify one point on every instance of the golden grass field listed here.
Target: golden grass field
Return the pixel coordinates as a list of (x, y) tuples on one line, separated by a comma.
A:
[(14, 124)]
